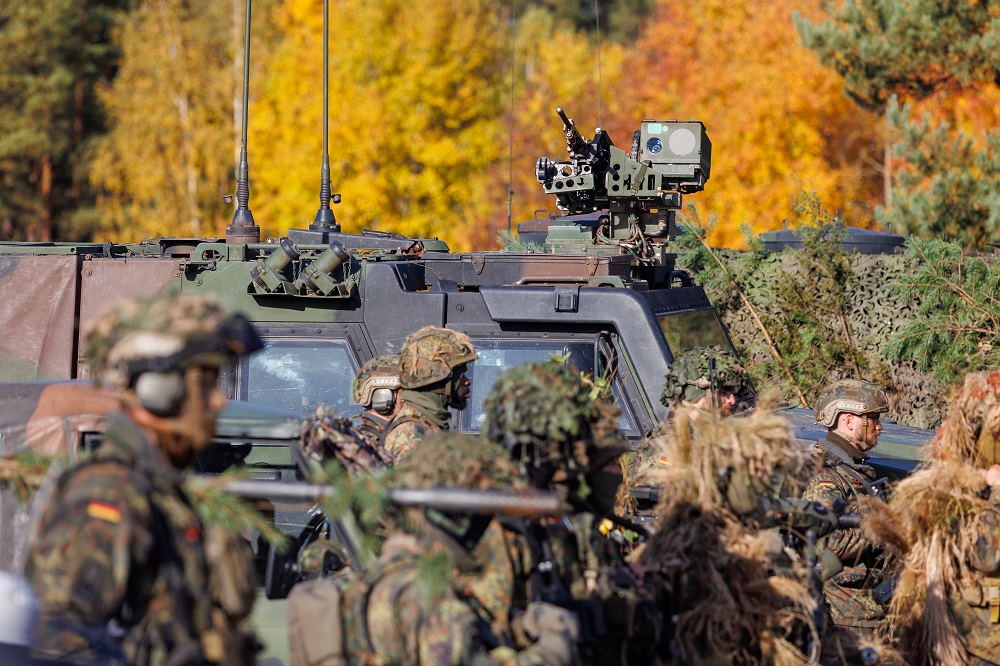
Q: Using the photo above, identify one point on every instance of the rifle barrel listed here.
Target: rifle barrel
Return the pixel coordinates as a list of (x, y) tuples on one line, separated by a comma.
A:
[(463, 500)]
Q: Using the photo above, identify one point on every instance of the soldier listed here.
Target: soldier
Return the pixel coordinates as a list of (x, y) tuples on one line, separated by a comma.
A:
[(432, 376), (944, 520), (703, 379), (850, 409), (416, 604), (545, 416), (119, 557), (375, 388)]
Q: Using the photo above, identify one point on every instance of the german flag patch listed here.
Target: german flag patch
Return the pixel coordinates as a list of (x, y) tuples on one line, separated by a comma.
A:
[(826, 484), (104, 511)]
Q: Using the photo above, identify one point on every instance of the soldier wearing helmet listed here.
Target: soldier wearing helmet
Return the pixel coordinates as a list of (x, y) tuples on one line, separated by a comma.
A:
[(119, 545), (432, 378), (850, 409), (703, 379), (565, 440), (420, 601), (376, 388)]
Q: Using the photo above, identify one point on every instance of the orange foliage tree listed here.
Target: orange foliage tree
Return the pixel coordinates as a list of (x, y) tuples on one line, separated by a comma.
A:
[(779, 121)]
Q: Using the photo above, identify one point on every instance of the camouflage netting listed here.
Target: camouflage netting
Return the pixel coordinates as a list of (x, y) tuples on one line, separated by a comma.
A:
[(731, 608), (933, 522), (874, 311)]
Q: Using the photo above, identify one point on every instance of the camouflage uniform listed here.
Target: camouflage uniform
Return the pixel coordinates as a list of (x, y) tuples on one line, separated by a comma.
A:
[(692, 376), (547, 418), (378, 375), (428, 364), (395, 613), (944, 520), (842, 477), (975, 607), (119, 555)]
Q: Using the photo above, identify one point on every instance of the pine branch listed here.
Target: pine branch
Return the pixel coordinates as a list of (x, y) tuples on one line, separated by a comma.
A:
[(217, 507), (753, 313), (24, 472)]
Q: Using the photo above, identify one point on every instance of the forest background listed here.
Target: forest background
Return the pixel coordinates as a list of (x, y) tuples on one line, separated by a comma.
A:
[(121, 118)]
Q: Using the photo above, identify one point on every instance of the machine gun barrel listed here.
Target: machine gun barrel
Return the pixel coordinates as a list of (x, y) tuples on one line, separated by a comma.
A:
[(464, 500), (575, 143)]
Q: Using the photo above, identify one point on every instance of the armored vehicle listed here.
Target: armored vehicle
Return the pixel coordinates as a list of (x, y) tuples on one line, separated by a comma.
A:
[(604, 292)]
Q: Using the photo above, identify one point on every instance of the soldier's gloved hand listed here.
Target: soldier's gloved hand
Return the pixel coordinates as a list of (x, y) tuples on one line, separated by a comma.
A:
[(554, 632)]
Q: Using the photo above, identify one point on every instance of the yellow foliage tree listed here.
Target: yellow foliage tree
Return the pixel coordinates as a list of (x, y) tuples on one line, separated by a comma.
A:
[(168, 160), (779, 122), (414, 116)]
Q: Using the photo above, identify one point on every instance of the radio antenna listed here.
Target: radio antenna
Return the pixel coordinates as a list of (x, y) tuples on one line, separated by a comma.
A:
[(510, 155), (243, 229), (600, 79), (325, 220)]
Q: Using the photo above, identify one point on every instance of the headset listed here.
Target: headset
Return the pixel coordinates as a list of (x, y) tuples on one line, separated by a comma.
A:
[(161, 393), (158, 381)]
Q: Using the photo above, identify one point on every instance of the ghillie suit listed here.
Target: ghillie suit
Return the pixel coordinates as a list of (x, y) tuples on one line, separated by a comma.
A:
[(944, 521), (715, 571), (562, 438)]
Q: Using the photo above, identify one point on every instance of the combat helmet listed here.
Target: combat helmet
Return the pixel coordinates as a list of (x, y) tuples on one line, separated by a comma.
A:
[(549, 408), (691, 375), (855, 396), (429, 355), (376, 382), (146, 345)]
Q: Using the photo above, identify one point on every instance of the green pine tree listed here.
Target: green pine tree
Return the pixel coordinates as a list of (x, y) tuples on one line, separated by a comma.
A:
[(909, 49), (55, 55)]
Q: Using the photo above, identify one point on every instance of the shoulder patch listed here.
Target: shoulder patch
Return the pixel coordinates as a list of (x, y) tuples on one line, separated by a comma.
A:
[(104, 511)]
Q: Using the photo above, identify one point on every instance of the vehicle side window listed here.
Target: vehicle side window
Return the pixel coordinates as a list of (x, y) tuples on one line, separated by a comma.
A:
[(694, 328), (299, 374), (495, 356)]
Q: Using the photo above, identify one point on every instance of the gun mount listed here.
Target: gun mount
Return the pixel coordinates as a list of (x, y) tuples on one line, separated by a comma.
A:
[(627, 202)]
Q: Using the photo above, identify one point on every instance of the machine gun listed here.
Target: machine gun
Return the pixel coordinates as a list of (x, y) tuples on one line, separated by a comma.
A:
[(635, 195)]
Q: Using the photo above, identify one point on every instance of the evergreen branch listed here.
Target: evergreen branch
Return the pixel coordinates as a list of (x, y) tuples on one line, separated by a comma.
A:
[(24, 472), (217, 507), (756, 317)]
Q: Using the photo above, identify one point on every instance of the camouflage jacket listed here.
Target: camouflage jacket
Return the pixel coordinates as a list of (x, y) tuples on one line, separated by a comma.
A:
[(119, 544), (413, 422), (371, 425), (388, 618), (568, 562), (976, 605), (841, 480)]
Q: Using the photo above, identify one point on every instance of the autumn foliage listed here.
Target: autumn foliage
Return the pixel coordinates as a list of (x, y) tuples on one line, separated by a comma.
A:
[(438, 111)]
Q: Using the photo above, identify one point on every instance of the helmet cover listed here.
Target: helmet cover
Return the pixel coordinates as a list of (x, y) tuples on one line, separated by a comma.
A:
[(691, 375), (429, 355), (381, 372)]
